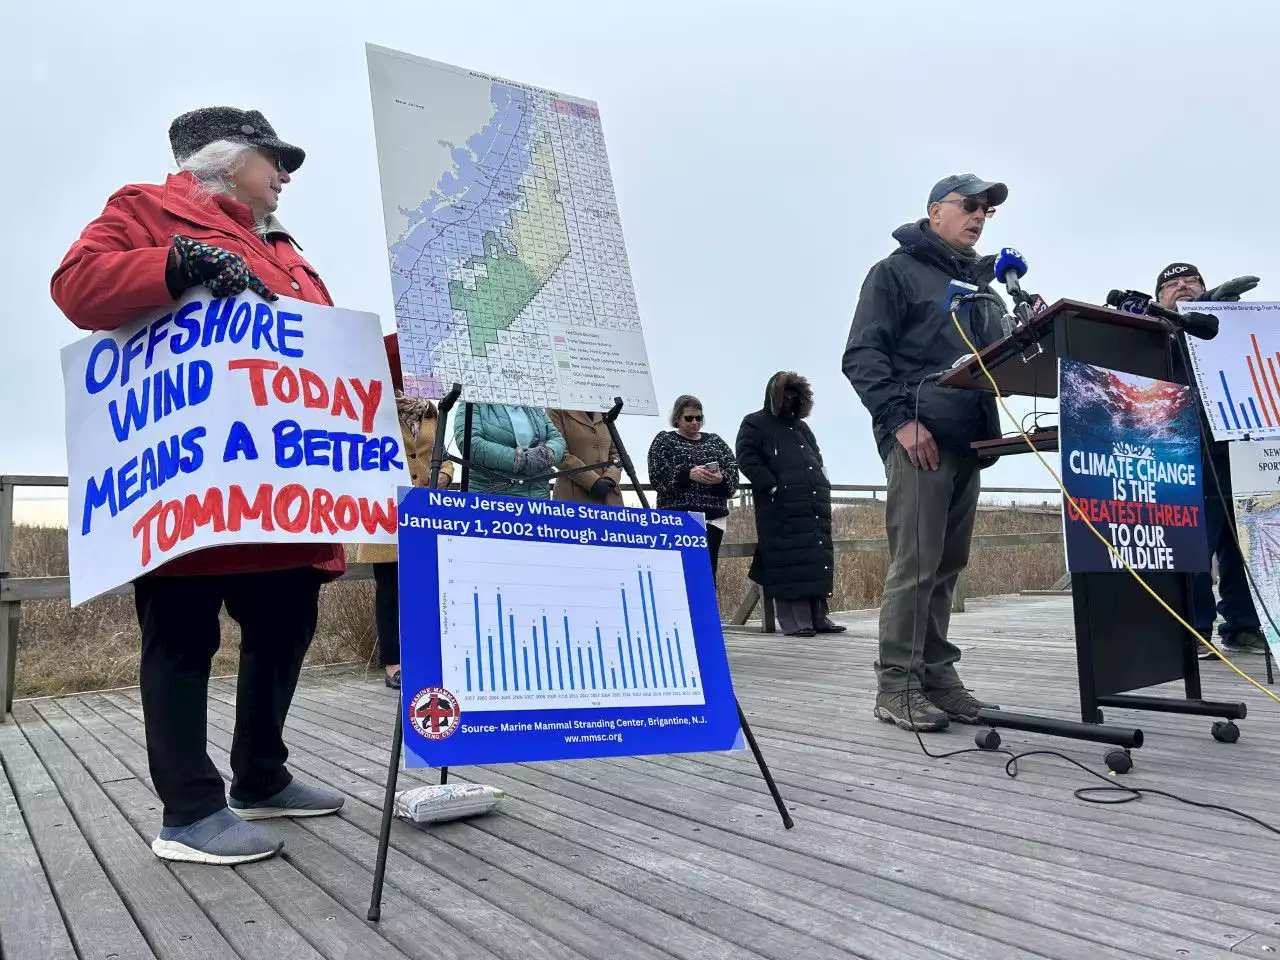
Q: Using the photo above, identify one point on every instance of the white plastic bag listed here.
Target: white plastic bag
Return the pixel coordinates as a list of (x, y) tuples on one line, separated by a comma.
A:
[(436, 803)]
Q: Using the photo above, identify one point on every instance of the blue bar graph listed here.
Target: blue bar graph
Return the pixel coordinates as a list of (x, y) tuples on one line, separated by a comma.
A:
[(568, 652), (660, 650), (546, 644), (515, 674), (502, 647), (493, 684), (479, 659), (1231, 404), (626, 622), (653, 603), (537, 662)]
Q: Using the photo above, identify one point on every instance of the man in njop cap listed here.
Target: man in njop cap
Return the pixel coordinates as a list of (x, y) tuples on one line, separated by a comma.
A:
[(1239, 631), (902, 332)]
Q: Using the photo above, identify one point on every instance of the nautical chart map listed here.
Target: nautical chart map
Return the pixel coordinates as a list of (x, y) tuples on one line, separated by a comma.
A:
[(508, 265)]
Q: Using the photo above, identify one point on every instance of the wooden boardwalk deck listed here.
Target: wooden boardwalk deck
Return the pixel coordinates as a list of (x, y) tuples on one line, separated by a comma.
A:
[(893, 855)]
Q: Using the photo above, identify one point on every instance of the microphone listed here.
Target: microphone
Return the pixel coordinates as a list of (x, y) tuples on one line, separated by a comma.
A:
[(1010, 268), (1203, 326)]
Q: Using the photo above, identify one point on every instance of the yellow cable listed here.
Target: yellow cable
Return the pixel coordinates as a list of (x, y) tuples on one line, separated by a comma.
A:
[(1105, 542)]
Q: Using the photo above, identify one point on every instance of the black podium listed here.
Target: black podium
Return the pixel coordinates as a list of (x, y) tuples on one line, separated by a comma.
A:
[(1125, 641)]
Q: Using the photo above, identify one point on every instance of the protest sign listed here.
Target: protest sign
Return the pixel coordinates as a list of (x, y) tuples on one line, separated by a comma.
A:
[(1255, 487), (542, 630), (1131, 461), (226, 421)]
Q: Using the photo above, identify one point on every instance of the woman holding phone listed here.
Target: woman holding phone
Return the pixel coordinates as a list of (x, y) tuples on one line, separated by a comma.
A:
[(694, 471)]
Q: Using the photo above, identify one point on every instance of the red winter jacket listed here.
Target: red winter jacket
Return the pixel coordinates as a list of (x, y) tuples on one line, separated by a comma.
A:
[(115, 273)]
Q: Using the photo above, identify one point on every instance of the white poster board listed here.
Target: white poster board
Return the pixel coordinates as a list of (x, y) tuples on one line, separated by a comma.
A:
[(1255, 488), (226, 421), (1238, 371), (508, 266)]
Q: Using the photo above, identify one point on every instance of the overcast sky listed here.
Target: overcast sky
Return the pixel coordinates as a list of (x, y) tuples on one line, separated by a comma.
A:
[(762, 153)]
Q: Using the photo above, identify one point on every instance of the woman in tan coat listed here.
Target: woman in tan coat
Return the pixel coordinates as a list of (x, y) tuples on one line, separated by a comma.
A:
[(587, 441), (418, 419)]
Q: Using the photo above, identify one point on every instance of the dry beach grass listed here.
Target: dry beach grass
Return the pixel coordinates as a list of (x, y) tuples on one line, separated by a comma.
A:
[(62, 650)]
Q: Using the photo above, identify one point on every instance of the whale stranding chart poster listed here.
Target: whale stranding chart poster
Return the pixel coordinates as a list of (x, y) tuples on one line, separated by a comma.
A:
[(1131, 464)]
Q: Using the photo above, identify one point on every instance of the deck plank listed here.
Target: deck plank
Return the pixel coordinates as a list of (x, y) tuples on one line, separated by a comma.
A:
[(895, 855), (94, 913), (31, 924)]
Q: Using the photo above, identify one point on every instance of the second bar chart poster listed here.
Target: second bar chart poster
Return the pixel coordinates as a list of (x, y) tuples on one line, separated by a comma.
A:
[(544, 630)]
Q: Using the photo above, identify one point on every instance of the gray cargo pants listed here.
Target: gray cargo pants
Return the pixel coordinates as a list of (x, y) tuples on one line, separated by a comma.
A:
[(923, 571)]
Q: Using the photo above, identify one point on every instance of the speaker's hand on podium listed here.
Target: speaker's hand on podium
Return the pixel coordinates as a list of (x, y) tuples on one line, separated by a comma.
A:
[(919, 444)]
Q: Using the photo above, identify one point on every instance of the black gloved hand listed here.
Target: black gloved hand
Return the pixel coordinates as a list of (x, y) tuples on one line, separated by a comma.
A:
[(192, 263), (603, 487), (1230, 291)]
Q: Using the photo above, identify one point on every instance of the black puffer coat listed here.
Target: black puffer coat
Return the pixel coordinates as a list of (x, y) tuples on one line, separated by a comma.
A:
[(777, 452)]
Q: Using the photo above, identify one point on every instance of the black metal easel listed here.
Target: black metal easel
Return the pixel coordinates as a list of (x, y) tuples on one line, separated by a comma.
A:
[(397, 738)]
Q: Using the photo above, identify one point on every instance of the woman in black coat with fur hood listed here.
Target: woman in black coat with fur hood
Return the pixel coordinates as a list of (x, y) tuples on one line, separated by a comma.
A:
[(794, 560)]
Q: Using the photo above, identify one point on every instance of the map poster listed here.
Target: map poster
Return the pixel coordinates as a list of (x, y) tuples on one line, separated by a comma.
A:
[(1238, 371), (1131, 464), (1255, 487), (545, 630), (508, 266)]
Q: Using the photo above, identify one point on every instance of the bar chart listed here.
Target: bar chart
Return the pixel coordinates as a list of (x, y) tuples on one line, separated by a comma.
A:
[(545, 625), (1238, 371)]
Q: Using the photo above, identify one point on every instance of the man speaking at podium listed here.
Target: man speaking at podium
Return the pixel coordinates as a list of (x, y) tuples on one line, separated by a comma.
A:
[(902, 337), (1239, 632)]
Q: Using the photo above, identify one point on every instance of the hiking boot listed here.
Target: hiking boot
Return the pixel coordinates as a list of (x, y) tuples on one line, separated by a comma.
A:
[(1245, 641), (957, 703), (298, 799), (220, 838), (910, 711)]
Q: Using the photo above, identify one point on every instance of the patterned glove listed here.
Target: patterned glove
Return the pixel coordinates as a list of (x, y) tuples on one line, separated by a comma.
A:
[(537, 461), (193, 263)]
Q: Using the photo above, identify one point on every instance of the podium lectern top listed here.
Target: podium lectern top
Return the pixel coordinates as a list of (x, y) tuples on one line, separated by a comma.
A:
[(1020, 371)]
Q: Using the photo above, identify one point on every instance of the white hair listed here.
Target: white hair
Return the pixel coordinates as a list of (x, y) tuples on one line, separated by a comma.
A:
[(214, 164)]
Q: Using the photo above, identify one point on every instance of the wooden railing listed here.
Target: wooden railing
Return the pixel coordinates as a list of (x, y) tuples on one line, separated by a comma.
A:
[(15, 590)]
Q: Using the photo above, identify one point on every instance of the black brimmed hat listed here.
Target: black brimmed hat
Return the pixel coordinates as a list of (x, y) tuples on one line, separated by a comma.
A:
[(197, 129)]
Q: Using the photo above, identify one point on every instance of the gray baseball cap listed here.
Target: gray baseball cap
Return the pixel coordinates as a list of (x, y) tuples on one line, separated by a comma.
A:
[(968, 185)]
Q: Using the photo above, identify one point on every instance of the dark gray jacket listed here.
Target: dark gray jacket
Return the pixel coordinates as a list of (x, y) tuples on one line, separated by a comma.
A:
[(902, 331)]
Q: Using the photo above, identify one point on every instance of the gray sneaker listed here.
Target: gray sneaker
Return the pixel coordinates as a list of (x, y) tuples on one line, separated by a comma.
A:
[(1245, 641), (298, 799), (221, 838), (957, 703), (910, 711)]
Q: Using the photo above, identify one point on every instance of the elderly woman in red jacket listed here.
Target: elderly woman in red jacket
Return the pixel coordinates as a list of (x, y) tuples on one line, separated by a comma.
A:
[(212, 224)]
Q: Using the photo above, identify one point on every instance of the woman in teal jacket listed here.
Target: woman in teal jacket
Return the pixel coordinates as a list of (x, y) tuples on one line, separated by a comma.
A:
[(515, 440)]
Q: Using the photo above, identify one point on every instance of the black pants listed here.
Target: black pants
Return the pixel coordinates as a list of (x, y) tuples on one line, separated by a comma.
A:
[(714, 536), (179, 619), (386, 611)]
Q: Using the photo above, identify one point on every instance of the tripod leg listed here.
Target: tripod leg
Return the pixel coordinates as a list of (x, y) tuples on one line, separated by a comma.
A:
[(764, 767), (444, 776), (388, 810), (628, 467), (1270, 676)]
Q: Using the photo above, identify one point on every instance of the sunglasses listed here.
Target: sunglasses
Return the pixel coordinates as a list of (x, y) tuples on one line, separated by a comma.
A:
[(693, 418), (970, 205)]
